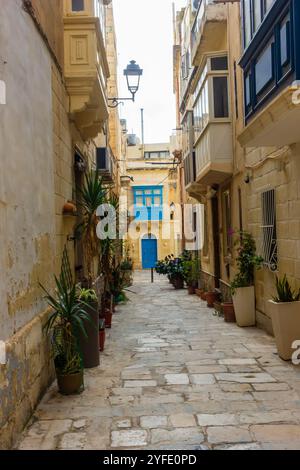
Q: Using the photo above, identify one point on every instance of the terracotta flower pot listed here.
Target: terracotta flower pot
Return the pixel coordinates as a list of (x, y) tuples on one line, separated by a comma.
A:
[(102, 335), (191, 290), (211, 297), (229, 314), (203, 295), (108, 318), (70, 384), (69, 208)]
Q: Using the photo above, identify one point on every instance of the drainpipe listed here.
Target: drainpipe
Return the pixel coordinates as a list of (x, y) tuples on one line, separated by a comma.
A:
[(143, 131)]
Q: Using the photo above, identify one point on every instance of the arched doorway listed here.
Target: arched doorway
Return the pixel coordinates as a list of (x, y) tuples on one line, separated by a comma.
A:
[(149, 251)]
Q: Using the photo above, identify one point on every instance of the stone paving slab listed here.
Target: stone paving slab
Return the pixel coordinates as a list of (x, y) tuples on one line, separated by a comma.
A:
[(175, 376)]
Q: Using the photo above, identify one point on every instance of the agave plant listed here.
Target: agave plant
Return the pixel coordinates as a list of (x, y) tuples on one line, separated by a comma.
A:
[(284, 291), (66, 325)]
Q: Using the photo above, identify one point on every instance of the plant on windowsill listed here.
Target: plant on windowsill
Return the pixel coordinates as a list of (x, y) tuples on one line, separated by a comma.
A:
[(89, 343), (70, 209), (65, 326), (285, 315), (242, 286)]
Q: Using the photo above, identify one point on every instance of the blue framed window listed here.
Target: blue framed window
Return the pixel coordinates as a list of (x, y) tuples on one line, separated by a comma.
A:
[(148, 203), (272, 50)]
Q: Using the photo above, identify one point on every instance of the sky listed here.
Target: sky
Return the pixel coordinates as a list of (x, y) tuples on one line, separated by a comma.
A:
[(145, 34)]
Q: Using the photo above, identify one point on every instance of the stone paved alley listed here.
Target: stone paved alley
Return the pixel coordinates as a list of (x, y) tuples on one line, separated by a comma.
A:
[(174, 376)]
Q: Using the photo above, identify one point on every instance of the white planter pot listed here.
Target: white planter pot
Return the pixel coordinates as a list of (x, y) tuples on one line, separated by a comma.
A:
[(244, 306), (286, 326)]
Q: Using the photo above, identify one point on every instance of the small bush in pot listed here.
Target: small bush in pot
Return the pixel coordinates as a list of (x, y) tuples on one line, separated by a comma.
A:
[(66, 325), (285, 315), (176, 272), (191, 274), (242, 286)]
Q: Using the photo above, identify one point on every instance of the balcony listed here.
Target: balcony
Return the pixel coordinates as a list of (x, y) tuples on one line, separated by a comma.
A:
[(214, 154), (271, 65), (209, 31), (106, 165), (86, 67)]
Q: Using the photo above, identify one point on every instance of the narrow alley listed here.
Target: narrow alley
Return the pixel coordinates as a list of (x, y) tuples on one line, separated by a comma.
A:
[(175, 376)]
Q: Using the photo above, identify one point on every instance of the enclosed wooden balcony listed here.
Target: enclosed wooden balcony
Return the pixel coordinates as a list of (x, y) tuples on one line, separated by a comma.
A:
[(214, 154), (271, 65), (86, 67), (209, 30)]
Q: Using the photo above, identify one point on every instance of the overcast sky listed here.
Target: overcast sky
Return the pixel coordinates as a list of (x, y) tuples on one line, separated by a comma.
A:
[(145, 34)]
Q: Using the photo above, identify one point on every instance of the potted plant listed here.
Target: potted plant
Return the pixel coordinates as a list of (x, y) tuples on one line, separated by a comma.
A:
[(91, 196), (285, 315), (102, 334), (126, 269), (66, 325), (176, 272), (191, 274), (70, 208), (242, 286), (211, 297), (89, 343), (228, 311)]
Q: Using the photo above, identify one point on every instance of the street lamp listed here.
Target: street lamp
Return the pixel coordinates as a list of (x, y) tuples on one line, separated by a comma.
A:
[(133, 74)]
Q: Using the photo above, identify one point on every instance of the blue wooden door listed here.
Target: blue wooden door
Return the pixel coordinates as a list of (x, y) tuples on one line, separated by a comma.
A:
[(149, 253)]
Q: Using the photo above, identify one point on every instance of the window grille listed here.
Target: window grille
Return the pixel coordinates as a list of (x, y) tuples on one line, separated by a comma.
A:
[(269, 236)]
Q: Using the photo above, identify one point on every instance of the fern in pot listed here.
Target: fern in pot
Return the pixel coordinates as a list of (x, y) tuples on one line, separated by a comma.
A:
[(65, 326), (284, 310), (242, 286)]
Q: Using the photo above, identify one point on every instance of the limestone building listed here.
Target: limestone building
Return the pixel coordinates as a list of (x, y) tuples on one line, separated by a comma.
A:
[(56, 68), (152, 195), (235, 73)]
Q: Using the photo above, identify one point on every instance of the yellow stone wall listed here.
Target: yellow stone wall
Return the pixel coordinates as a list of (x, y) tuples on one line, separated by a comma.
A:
[(38, 141), (143, 175)]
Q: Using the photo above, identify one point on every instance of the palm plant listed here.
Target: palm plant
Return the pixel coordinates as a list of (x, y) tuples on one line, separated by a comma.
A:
[(110, 250), (66, 325), (91, 196)]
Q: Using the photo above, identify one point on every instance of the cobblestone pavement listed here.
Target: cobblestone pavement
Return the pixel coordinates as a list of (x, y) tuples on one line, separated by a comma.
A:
[(174, 376)]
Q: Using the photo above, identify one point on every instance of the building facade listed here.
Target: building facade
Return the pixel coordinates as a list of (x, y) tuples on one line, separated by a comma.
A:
[(51, 131), (152, 197), (239, 110)]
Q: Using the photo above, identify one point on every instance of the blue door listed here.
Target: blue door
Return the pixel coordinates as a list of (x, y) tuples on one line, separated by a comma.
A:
[(149, 253)]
